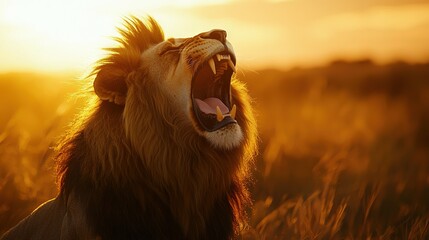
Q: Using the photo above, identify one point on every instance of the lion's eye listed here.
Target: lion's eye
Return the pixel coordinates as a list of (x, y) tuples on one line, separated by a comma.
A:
[(169, 49)]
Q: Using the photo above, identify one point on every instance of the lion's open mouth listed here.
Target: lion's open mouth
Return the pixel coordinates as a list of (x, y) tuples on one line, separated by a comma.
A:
[(211, 92)]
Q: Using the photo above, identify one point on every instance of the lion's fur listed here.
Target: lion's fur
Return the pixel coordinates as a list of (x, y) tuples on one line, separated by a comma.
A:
[(140, 170)]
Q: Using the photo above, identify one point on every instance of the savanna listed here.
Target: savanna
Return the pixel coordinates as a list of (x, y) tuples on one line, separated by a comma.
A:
[(342, 155), (339, 89)]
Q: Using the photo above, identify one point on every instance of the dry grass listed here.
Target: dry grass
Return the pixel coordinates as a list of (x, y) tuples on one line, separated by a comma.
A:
[(344, 150)]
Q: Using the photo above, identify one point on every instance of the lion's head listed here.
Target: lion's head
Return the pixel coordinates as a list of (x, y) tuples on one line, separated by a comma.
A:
[(193, 75)]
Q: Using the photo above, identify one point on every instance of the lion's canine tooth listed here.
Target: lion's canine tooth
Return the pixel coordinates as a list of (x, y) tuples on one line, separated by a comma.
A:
[(233, 112), (231, 65), (219, 115), (212, 65)]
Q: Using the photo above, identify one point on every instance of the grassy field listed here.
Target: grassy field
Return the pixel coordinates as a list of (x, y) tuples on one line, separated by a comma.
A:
[(344, 149)]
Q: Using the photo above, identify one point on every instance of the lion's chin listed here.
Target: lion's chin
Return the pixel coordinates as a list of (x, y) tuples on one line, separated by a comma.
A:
[(226, 138)]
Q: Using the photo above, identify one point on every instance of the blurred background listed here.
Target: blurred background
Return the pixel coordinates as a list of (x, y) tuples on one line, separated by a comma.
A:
[(341, 91)]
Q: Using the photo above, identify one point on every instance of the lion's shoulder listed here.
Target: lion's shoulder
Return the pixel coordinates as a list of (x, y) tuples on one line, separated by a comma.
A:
[(43, 223)]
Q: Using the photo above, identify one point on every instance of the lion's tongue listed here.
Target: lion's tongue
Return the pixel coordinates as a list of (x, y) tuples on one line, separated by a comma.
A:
[(208, 105)]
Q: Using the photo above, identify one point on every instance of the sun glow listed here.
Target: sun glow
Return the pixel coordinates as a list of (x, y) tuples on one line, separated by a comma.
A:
[(58, 35)]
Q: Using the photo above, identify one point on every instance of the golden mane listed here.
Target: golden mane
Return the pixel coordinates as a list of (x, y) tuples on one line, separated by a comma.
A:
[(136, 37), (134, 160)]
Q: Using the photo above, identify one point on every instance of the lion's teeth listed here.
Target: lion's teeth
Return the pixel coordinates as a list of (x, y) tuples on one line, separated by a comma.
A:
[(219, 115), (233, 112), (222, 57), (231, 65), (212, 65)]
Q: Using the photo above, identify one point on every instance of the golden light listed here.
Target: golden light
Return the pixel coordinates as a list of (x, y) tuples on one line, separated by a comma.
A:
[(61, 35), (57, 35)]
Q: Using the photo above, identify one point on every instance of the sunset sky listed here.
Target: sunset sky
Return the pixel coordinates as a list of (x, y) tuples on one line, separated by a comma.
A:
[(57, 35)]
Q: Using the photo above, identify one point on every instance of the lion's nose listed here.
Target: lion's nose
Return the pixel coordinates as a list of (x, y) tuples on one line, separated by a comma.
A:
[(217, 34)]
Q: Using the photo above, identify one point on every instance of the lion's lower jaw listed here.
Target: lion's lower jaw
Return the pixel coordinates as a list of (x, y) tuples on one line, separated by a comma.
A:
[(228, 137)]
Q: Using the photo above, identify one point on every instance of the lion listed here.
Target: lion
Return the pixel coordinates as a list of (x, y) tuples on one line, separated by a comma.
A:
[(165, 151)]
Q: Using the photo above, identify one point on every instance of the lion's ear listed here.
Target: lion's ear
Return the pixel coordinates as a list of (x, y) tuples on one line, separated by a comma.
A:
[(110, 85)]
